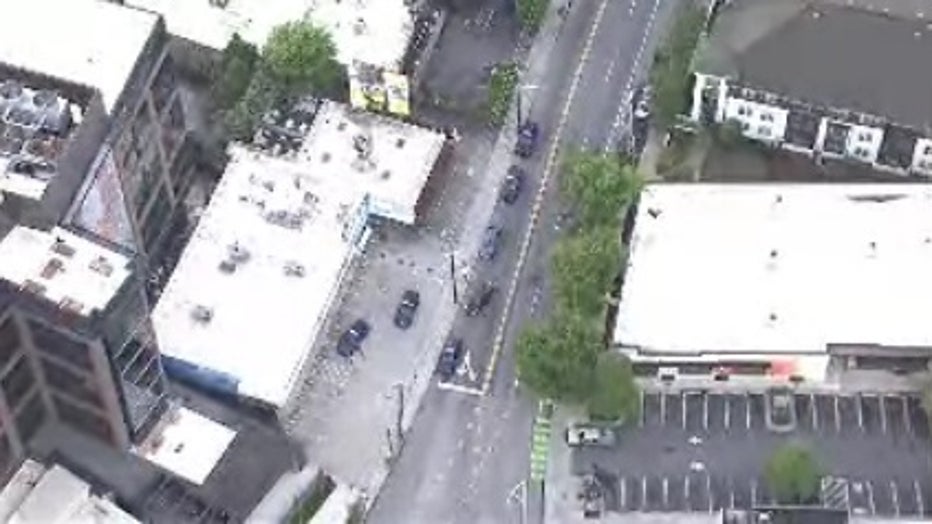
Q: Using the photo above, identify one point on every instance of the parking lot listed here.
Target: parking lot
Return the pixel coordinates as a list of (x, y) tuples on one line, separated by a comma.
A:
[(701, 451)]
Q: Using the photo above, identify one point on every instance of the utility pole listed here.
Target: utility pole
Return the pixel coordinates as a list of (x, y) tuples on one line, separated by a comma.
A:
[(453, 278)]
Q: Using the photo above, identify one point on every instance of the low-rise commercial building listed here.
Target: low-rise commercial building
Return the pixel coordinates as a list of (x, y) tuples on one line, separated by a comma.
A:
[(255, 284), (779, 281)]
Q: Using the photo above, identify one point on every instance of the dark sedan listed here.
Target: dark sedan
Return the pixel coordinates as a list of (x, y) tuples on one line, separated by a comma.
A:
[(407, 309), (491, 242), (450, 358), (511, 187), (351, 340)]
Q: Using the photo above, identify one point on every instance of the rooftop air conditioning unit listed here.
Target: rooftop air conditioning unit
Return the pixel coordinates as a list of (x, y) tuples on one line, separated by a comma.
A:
[(202, 314), (238, 254)]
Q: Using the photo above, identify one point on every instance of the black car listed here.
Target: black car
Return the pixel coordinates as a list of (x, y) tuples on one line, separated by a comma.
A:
[(528, 137), (491, 241), (351, 340), (450, 358), (404, 314), (481, 299), (514, 181)]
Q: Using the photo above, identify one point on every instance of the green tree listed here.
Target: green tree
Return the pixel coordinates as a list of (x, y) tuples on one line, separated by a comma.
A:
[(262, 95), (301, 57), (670, 73), (531, 13), (600, 186), (793, 474), (584, 267), (557, 359), (615, 394), (502, 86), (237, 67)]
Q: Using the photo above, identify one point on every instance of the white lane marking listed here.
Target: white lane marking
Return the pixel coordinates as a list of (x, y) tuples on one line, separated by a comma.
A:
[(623, 108), (459, 389), (538, 204)]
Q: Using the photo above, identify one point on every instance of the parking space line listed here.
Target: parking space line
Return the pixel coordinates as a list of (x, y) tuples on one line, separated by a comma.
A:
[(906, 418), (860, 406), (727, 412), (895, 493), (686, 492), (883, 414), (731, 494), (753, 492), (663, 410), (666, 493), (708, 492), (837, 416), (641, 422), (870, 497), (815, 411), (705, 411), (683, 396), (643, 493), (623, 492), (747, 418), (920, 504)]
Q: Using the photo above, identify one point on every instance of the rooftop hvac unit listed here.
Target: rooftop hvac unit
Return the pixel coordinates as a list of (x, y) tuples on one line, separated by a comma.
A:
[(294, 269), (202, 314), (238, 254)]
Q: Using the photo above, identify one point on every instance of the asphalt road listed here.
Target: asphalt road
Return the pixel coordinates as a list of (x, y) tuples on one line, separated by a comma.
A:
[(466, 453)]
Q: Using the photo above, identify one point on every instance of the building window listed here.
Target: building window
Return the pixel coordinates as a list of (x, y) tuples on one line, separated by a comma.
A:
[(766, 117), (17, 383), (31, 417), (864, 137), (82, 419), (763, 131), (51, 342), (9, 341), (861, 152), (69, 383), (156, 219), (927, 151)]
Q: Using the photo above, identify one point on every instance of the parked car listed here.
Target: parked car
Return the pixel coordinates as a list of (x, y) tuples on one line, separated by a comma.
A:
[(491, 241), (407, 309), (514, 181), (480, 299), (641, 101), (450, 358), (578, 435), (351, 340), (528, 138)]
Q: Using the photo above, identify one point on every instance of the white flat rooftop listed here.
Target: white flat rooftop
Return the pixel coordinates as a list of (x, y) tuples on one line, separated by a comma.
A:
[(263, 315), (189, 445), (782, 268), (62, 267), (401, 157), (372, 31), (40, 495), (88, 42)]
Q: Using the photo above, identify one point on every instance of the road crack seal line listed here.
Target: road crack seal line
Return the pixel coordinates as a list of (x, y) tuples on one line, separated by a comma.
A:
[(538, 204)]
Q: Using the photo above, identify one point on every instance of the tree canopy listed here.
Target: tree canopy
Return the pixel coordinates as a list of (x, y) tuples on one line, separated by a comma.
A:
[(557, 359), (237, 67), (531, 13), (600, 186), (584, 266), (793, 474), (670, 73), (302, 58), (614, 395)]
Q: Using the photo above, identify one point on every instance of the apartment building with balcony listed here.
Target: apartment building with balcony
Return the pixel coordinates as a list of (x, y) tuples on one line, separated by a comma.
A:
[(830, 79)]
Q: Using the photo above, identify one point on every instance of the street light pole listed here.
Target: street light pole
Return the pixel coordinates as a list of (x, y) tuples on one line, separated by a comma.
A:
[(453, 277)]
